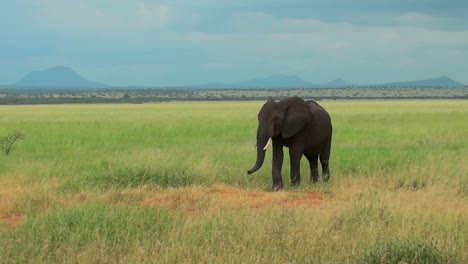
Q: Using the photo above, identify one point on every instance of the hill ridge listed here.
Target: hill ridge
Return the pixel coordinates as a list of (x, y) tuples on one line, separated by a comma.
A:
[(57, 77), (65, 77)]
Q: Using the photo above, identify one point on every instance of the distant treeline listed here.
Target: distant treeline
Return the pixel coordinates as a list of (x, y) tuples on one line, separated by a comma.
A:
[(12, 97)]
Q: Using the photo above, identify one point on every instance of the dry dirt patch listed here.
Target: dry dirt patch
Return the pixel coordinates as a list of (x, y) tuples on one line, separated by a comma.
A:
[(10, 192), (196, 200), (12, 221)]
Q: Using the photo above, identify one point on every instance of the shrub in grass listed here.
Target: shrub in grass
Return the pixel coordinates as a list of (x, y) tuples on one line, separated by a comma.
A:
[(463, 190), (404, 251), (411, 185), (136, 177), (120, 178), (361, 214)]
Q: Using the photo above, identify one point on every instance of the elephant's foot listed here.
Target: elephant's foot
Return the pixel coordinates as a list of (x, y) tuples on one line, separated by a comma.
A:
[(314, 176), (276, 188), (326, 177), (277, 184), (295, 183)]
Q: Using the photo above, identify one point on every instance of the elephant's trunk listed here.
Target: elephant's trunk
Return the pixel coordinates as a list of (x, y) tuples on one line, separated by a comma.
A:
[(261, 150)]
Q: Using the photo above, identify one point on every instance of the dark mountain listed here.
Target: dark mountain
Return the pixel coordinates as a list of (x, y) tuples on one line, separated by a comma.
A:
[(338, 83), (57, 77), (64, 77), (440, 81)]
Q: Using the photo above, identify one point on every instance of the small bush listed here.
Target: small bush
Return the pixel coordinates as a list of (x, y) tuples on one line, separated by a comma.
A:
[(6, 143), (404, 251)]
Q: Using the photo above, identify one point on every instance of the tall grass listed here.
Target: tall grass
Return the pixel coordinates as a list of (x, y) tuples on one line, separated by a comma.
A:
[(80, 178), (105, 231)]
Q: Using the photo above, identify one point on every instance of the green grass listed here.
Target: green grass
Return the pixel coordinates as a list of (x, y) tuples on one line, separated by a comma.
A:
[(404, 251), (141, 183), (64, 233)]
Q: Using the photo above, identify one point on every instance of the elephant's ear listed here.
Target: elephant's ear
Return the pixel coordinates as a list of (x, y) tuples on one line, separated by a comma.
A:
[(297, 116)]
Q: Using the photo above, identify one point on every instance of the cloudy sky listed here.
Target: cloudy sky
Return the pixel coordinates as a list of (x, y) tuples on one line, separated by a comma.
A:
[(180, 42)]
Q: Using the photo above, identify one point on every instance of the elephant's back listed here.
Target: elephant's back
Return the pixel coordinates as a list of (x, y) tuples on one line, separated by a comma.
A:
[(318, 114), (320, 127)]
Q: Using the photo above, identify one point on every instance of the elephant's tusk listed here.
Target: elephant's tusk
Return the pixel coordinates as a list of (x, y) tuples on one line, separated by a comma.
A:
[(268, 143), (254, 147)]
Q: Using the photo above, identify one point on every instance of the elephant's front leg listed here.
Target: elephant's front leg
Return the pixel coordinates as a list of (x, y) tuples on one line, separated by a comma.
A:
[(277, 165), (295, 159)]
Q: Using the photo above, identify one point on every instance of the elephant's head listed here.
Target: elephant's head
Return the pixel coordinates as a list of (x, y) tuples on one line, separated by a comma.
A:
[(281, 119)]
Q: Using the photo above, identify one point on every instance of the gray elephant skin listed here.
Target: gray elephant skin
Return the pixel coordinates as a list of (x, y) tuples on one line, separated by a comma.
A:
[(302, 126)]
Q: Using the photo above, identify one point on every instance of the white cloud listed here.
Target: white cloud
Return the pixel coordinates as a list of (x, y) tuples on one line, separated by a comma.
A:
[(153, 16), (230, 40), (305, 45), (258, 22), (76, 16)]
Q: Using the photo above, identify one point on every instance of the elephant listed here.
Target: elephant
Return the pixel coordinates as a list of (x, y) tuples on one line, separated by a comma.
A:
[(302, 126)]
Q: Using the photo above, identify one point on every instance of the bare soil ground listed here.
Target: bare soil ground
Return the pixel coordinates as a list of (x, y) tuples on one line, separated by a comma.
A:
[(194, 201)]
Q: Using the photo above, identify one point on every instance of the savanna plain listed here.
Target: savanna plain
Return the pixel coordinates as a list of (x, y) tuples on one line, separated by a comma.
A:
[(167, 183)]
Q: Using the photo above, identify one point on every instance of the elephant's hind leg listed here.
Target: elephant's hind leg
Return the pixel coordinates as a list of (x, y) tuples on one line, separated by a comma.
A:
[(324, 161), (313, 162), (325, 169)]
